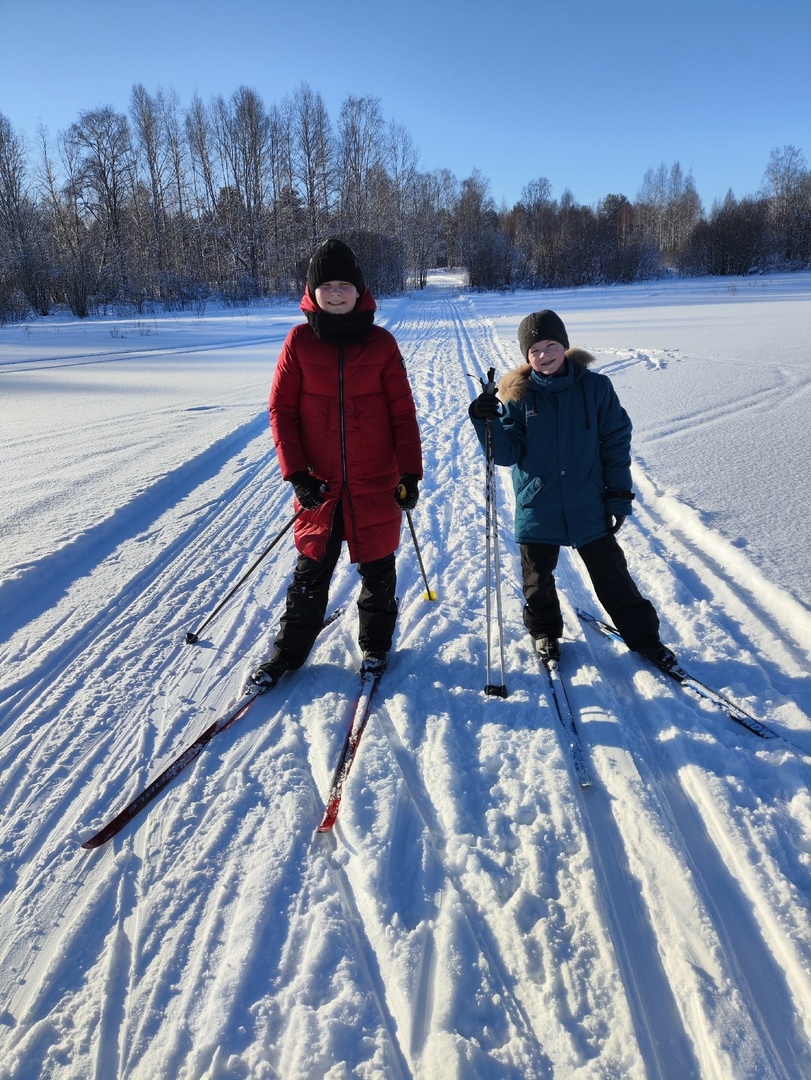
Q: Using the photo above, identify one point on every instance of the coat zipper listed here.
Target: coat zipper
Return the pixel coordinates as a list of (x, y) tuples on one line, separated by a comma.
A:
[(344, 486), (341, 415)]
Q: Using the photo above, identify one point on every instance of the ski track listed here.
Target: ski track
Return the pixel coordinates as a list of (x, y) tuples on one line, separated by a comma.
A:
[(83, 359), (641, 928)]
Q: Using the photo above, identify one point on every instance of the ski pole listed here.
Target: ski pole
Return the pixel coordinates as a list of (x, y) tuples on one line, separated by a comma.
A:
[(429, 593), (493, 559), (192, 637)]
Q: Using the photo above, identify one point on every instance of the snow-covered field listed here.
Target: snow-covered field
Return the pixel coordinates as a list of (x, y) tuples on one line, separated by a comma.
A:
[(475, 914)]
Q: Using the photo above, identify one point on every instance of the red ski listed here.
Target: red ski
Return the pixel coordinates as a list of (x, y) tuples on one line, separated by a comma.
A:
[(193, 751), (164, 779), (357, 725)]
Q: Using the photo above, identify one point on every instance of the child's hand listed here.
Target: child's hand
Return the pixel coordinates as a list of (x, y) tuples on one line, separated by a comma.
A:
[(614, 522), (408, 492), (485, 407), (309, 489)]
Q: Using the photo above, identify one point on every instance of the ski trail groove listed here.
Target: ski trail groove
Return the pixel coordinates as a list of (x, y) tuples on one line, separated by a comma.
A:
[(758, 978)]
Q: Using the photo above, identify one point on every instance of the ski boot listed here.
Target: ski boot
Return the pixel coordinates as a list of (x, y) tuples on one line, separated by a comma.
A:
[(373, 663), (547, 648)]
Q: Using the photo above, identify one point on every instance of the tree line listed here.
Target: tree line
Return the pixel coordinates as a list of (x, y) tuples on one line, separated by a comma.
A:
[(170, 206)]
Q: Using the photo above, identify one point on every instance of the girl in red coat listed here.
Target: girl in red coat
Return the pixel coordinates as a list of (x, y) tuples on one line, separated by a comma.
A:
[(346, 434)]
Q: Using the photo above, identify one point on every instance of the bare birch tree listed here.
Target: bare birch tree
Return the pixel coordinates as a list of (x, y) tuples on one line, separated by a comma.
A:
[(105, 178), (361, 140), (313, 159)]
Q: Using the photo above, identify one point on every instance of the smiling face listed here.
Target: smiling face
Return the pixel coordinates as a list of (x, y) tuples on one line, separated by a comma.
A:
[(546, 357), (337, 297)]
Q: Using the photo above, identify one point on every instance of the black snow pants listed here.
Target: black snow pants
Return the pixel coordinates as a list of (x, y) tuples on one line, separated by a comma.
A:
[(633, 615), (308, 594)]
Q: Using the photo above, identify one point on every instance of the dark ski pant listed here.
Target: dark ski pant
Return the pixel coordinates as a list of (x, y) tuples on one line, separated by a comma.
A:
[(633, 615), (308, 593)]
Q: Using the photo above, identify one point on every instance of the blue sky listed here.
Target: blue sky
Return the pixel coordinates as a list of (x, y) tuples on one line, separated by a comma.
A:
[(587, 93)]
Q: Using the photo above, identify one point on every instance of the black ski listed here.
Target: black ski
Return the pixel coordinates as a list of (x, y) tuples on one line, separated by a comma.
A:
[(693, 685), (571, 731), (357, 725), (193, 751)]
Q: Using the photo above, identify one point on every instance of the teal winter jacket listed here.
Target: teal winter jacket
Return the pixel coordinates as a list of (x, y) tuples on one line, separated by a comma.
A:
[(568, 440)]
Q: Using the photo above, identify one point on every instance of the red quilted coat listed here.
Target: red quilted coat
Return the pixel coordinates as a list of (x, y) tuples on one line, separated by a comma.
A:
[(346, 413)]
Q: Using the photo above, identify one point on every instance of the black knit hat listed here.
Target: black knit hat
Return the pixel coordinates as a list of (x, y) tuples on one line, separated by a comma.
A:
[(541, 326), (334, 261)]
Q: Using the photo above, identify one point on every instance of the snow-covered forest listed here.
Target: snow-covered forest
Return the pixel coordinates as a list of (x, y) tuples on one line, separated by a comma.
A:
[(475, 914), (171, 204)]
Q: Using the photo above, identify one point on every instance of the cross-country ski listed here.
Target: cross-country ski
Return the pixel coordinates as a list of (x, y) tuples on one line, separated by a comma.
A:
[(689, 682), (175, 767), (357, 725)]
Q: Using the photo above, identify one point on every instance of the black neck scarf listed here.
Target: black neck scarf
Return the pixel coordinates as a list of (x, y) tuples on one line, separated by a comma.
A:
[(341, 330)]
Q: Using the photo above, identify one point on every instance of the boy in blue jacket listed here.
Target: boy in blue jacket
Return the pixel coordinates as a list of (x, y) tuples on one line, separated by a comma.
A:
[(568, 439)]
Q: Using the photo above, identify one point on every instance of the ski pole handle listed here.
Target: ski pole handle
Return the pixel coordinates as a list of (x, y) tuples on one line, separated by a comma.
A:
[(489, 386)]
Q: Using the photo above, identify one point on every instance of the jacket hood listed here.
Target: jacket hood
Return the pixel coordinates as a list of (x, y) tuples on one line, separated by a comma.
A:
[(513, 385)]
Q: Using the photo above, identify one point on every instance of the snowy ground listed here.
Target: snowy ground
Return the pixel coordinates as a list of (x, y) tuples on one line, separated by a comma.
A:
[(475, 915)]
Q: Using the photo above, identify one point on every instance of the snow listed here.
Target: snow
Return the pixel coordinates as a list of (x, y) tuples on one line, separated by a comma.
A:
[(475, 914)]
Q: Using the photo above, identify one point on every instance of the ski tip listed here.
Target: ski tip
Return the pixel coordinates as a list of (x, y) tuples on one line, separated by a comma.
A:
[(330, 817), (94, 842)]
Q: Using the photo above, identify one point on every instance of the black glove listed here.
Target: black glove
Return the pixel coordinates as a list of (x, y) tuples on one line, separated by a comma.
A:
[(407, 492), (614, 522), (485, 407), (309, 489)]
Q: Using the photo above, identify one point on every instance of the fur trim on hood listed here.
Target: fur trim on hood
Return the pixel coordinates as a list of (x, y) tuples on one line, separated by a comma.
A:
[(514, 384)]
